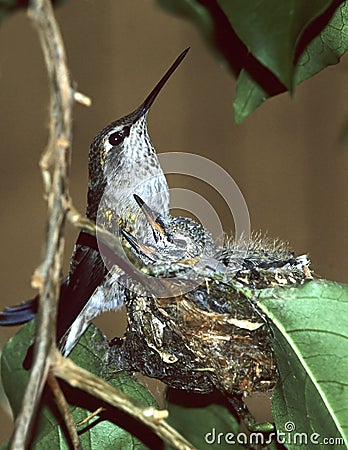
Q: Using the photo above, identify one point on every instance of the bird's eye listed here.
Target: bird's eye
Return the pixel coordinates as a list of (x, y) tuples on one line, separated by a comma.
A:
[(118, 137)]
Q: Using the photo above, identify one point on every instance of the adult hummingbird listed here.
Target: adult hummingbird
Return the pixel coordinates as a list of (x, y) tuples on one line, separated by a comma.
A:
[(122, 160)]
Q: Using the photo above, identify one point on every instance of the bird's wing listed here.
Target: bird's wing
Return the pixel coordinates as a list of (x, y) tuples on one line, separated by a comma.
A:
[(86, 274)]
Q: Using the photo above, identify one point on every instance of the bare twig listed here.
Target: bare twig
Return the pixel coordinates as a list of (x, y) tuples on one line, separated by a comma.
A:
[(54, 165), (80, 378), (82, 99), (90, 416), (64, 410)]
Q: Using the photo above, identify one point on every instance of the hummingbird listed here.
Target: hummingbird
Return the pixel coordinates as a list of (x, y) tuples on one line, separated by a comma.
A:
[(122, 160), (177, 245), (174, 239), (180, 242)]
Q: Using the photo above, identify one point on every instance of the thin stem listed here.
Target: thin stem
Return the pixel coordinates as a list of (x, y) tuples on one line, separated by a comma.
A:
[(84, 380), (64, 410), (55, 164)]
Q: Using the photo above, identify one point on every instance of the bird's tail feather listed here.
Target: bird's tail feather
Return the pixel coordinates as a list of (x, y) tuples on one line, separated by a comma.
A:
[(19, 314)]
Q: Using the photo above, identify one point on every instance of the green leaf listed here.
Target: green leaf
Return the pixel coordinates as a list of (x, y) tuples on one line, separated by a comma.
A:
[(249, 95), (269, 45), (271, 30), (200, 418), (14, 377), (310, 330), (326, 48), (117, 432)]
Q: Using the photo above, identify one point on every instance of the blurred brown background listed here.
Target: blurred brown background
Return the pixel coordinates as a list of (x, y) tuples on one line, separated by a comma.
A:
[(286, 157)]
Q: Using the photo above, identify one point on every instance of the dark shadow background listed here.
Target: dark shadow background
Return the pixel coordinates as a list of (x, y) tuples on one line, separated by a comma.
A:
[(285, 158)]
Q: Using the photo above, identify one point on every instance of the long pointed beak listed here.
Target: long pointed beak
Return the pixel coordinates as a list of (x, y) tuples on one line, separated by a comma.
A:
[(138, 247), (152, 216), (145, 106)]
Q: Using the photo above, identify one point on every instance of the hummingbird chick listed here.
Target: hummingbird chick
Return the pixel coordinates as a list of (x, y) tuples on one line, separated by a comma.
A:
[(209, 335), (182, 242), (174, 239)]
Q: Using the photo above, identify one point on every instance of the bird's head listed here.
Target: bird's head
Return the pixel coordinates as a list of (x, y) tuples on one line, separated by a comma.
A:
[(122, 159)]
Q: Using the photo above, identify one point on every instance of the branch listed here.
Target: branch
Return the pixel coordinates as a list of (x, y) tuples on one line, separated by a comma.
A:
[(54, 164), (64, 410), (84, 380)]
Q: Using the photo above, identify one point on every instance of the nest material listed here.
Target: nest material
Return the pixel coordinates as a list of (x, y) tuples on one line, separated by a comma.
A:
[(186, 344), (211, 337)]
